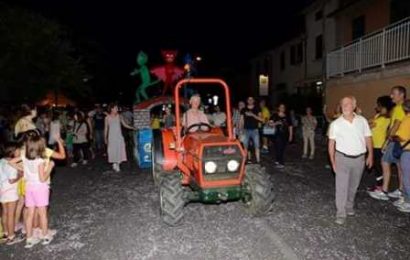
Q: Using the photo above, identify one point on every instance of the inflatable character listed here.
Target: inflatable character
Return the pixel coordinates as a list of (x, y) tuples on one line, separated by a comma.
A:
[(145, 76), (169, 72)]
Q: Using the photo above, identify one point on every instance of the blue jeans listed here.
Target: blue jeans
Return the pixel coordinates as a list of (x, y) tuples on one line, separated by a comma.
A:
[(251, 134), (99, 139), (405, 167)]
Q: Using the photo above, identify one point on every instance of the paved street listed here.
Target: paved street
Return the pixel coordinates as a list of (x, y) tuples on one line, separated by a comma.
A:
[(100, 214)]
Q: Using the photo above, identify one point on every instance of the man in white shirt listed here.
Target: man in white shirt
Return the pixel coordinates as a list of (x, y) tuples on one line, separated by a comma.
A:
[(349, 141)]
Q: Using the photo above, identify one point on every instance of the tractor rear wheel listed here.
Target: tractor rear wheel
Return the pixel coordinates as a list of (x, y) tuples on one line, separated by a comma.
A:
[(258, 189), (172, 199)]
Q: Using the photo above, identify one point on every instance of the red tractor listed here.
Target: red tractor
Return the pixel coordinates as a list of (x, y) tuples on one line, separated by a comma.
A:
[(206, 166)]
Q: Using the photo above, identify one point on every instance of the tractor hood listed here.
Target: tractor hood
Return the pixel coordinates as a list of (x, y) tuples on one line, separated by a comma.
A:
[(198, 139)]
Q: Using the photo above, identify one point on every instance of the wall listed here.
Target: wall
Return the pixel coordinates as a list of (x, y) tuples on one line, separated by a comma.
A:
[(367, 87), (377, 16), (326, 28)]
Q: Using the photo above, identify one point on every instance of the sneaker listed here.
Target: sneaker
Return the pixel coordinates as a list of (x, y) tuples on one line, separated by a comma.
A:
[(395, 194), (249, 162), (30, 242), (73, 165), (276, 163), (14, 240), (328, 167), (264, 151), (85, 162), (399, 202), (116, 167), (304, 156), (340, 220), (350, 213), (311, 157), (378, 195), (46, 239), (405, 207), (280, 166)]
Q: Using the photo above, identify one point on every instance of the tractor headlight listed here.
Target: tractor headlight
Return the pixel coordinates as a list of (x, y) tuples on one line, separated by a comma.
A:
[(210, 167), (233, 165)]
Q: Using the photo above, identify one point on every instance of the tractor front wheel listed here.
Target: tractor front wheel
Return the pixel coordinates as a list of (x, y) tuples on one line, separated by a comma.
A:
[(172, 200), (258, 190)]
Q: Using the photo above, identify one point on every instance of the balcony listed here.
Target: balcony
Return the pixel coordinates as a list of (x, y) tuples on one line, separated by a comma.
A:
[(379, 49)]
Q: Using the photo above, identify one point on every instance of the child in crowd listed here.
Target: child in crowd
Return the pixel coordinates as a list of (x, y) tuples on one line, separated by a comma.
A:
[(8, 193), (36, 174), (49, 154)]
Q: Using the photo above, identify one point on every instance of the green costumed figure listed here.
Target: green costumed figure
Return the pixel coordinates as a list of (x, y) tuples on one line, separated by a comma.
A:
[(145, 76)]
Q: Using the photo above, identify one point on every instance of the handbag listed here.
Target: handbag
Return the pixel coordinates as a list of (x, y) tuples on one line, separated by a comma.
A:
[(268, 130), (398, 149)]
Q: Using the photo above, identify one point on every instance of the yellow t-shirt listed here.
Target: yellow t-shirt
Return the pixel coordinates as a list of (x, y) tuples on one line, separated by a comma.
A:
[(379, 131), (265, 114), (404, 131), (397, 114), (156, 123)]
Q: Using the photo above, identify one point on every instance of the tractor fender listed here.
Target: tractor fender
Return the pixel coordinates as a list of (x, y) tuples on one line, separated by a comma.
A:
[(164, 155)]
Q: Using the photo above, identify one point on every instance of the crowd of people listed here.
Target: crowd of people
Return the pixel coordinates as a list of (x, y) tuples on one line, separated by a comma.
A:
[(353, 142), (34, 139), (30, 142)]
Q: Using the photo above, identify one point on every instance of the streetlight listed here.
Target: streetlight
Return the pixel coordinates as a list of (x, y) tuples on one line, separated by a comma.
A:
[(198, 58)]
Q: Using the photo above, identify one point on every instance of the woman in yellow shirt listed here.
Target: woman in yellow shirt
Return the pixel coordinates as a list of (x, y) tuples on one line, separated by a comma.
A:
[(379, 125), (403, 135)]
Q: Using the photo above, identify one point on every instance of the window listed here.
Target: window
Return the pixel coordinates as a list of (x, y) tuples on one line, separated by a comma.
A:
[(318, 15), (282, 60), (358, 27), (319, 47), (299, 53), (293, 55)]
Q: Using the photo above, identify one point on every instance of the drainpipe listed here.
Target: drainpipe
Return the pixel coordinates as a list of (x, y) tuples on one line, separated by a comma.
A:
[(324, 56)]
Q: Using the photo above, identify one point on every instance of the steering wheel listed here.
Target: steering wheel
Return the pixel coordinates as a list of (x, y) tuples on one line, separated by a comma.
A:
[(199, 125)]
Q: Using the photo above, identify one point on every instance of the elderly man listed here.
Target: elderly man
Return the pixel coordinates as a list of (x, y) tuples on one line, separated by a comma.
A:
[(349, 139)]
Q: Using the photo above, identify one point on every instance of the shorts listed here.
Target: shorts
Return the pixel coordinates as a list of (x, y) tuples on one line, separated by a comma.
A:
[(37, 195), (251, 134), (21, 187), (9, 195), (388, 154)]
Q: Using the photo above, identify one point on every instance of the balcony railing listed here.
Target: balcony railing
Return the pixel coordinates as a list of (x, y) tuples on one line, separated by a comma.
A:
[(387, 46)]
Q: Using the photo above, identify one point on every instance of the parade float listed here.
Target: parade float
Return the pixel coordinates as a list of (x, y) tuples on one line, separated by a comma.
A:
[(167, 73)]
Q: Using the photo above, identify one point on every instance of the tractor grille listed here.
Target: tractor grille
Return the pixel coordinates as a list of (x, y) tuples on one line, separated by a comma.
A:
[(221, 155)]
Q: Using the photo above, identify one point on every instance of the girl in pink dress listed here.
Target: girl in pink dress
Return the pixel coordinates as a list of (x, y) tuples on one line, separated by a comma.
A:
[(114, 138)]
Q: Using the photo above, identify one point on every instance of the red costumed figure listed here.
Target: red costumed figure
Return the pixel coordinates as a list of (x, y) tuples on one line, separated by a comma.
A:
[(169, 72)]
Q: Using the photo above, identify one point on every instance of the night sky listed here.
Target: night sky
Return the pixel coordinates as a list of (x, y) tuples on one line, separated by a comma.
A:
[(226, 34)]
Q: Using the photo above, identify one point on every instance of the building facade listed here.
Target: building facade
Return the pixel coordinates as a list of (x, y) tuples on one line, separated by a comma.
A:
[(297, 66), (374, 52)]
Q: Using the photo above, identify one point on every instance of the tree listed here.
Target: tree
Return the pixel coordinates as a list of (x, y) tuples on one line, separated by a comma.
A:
[(36, 57)]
